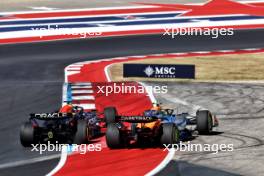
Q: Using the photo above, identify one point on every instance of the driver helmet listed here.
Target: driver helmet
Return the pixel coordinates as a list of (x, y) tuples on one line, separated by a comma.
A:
[(156, 107), (67, 108)]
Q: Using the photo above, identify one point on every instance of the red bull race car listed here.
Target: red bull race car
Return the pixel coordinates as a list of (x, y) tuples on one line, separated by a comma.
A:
[(76, 127)]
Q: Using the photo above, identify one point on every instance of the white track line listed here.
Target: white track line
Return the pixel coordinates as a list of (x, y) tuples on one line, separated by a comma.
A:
[(81, 87), (106, 72), (29, 161), (225, 51), (82, 91), (251, 49), (201, 52), (44, 8), (72, 72), (62, 161), (85, 97), (82, 84), (74, 69), (163, 164)]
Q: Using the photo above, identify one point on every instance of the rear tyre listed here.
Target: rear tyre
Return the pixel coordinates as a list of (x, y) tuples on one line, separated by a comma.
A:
[(27, 133), (81, 135), (204, 122), (110, 114), (170, 134), (113, 137)]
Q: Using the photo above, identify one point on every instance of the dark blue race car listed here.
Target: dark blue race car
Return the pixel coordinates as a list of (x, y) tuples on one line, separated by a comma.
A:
[(162, 126), (77, 127)]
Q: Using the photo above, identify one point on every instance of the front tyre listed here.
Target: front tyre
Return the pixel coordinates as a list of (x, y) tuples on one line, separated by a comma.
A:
[(27, 133), (81, 135), (113, 136), (204, 122), (170, 134)]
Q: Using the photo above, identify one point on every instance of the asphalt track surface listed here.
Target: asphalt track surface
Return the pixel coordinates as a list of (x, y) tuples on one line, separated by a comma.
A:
[(240, 110), (32, 75)]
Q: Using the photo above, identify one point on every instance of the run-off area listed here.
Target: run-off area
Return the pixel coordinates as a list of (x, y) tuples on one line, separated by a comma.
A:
[(240, 110)]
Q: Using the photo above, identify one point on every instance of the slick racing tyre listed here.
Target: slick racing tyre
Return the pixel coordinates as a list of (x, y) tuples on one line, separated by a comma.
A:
[(204, 122), (110, 114), (81, 135), (27, 133), (113, 137), (170, 134)]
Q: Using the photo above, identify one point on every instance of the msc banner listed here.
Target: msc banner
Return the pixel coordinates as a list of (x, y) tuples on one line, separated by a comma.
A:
[(159, 71)]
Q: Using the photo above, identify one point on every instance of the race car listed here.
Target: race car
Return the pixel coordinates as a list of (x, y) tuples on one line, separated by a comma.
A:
[(76, 127), (157, 125)]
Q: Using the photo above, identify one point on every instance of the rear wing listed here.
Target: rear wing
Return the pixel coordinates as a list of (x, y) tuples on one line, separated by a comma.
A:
[(51, 115), (137, 119)]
